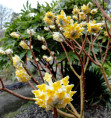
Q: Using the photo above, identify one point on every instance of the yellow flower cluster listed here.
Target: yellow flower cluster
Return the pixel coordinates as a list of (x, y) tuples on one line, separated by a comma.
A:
[(24, 45), (105, 33), (49, 18), (94, 27), (8, 51), (21, 73), (75, 10), (15, 34), (16, 61), (73, 31), (57, 94), (93, 11), (82, 15), (57, 36), (62, 19), (89, 4), (85, 9), (74, 17)]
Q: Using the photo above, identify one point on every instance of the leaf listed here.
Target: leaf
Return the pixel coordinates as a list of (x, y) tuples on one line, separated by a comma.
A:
[(22, 54), (37, 49), (29, 54), (3, 39)]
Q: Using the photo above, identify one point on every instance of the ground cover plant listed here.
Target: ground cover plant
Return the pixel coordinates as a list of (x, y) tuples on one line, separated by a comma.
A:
[(55, 41)]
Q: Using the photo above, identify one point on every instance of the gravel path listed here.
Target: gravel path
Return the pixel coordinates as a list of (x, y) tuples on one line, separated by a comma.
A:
[(33, 111), (97, 111)]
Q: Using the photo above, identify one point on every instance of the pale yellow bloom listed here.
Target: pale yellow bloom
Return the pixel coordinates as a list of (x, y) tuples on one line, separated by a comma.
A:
[(44, 57), (63, 20), (83, 24), (46, 28), (89, 4), (82, 15), (42, 87), (56, 85), (47, 77), (85, 9), (75, 11), (73, 31), (48, 59), (105, 33), (65, 80), (93, 11), (52, 26), (57, 36), (37, 59), (94, 27), (54, 94), (22, 75), (2, 51), (15, 34), (16, 61), (30, 31), (24, 45), (49, 18), (44, 47), (9, 51), (74, 17), (40, 38)]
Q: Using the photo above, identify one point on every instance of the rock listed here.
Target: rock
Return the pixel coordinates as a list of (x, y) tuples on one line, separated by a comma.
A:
[(9, 102)]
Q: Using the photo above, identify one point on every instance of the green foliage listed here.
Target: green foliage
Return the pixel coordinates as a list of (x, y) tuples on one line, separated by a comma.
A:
[(107, 68), (25, 21)]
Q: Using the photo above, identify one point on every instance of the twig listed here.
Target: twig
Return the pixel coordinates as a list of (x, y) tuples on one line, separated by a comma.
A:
[(17, 95), (31, 85), (69, 61), (54, 58), (102, 11), (55, 113), (65, 114), (33, 79)]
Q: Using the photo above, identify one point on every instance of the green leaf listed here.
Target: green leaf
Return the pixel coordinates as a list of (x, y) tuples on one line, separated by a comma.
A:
[(22, 54)]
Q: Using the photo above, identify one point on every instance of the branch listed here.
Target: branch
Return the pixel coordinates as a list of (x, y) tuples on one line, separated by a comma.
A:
[(17, 95), (65, 114), (105, 78), (33, 79), (2, 83), (54, 58), (74, 110), (102, 11), (69, 61)]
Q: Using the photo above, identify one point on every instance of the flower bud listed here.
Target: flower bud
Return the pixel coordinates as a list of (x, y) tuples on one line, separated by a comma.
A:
[(44, 47), (30, 31), (15, 35), (9, 51), (52, 26), (48, 59), (44, 57), (2, 51), (46, 28), (23, 45)]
